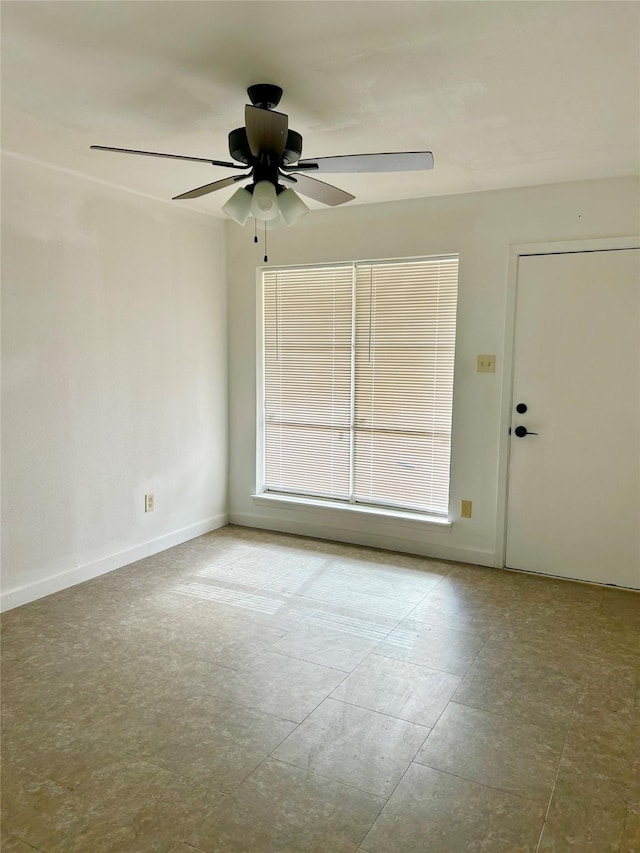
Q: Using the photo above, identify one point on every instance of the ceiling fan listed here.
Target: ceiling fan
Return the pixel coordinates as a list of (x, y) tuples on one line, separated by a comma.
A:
[(270, 151)]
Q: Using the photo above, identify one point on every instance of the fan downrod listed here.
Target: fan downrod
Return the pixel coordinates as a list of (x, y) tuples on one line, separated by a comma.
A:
[(265, 95)]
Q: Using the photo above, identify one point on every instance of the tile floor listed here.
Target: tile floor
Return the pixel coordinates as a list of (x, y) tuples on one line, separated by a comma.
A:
[(251, 691)]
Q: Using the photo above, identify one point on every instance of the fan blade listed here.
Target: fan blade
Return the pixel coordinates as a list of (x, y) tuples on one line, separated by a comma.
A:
[(407, 161), (319, 190), (266, 131), (211, 188), (171, 156)]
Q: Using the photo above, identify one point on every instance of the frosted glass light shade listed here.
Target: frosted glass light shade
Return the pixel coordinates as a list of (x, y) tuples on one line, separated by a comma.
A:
[(278, 222), (239, 206), (265, 202), (292, 207)]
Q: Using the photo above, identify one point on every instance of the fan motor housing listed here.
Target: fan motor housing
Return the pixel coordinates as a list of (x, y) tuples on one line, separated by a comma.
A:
[(239, 147), (266, 95)]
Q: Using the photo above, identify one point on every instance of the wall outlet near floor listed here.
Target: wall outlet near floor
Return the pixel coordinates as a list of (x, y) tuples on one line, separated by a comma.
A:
[(148, 502), (486, 364), (465, 509)]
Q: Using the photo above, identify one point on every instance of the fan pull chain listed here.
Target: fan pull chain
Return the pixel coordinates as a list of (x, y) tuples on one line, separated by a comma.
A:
[(265, 243), (255, 230)]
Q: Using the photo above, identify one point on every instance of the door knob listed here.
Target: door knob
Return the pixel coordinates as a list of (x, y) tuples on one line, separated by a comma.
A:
[(521, 408), (521, 431)]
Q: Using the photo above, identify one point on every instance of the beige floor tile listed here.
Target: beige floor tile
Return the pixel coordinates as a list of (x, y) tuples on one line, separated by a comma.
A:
[(608, 685), (218, 637), (86, 602), (252, 571), (558, 589), (383, 577), (216, 594), (353, 745), (540, 612), (355, 620), (567, 658), (276, 609), (306, 579), (587, 815), (631, 833), (220, 749), (500, 752), (34, 640), (624, 604), (466, 609), (319, 643), (69, 692), (276, 684), (62, 751), (12, 844), (404, 690), (38, 811), (330, 585), (527, 586), (603, 742), (109, 720), (257, 604), (209, 740), (469, 573), (431, 645), (435, 812), (526, 691), (132, 805), (344, 581), (352, 596), (288, 810), (617, 642), (470, 597), (157, 677), (336, 576)]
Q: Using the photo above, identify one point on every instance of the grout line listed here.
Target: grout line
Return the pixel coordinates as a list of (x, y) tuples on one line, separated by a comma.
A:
[(380, 797), (369, 793), (27, 843), (555, 781), (171, 772), (425, 666), (253, 708), (462, 678), (379, 713), (475, 782), (346, 672), (514, 718)]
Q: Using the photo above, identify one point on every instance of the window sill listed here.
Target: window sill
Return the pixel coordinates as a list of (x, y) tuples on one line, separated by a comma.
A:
[(315, 504)]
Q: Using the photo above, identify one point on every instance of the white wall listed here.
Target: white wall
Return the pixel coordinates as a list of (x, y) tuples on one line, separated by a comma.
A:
[(480, 227), (114, 373)]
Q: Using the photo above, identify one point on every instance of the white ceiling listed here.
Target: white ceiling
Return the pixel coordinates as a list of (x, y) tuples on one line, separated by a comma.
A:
[(505, 94)]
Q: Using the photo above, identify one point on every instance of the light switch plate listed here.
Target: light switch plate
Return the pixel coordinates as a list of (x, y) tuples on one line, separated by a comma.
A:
[(486, 364)]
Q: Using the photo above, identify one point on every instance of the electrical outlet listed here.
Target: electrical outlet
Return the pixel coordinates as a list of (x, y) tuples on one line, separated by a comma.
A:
[(486, 364), (148, 502), (465, 509)]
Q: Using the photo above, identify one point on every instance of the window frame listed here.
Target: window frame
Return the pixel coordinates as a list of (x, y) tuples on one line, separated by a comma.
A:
[(308, 500)]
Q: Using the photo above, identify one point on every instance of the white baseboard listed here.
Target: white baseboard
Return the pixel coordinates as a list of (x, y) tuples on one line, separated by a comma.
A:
[(38, 589), (437, 551)]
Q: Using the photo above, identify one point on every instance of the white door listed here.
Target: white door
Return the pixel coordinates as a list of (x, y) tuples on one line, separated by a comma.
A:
[(574, 484)]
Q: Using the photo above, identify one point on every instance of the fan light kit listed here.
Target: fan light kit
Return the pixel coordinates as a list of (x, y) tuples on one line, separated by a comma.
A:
[(270, 151)]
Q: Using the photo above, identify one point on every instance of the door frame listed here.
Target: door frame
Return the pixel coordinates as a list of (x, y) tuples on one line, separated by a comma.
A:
[(516, 251)]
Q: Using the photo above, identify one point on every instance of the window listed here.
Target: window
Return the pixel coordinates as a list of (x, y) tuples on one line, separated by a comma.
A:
[(358, 382)]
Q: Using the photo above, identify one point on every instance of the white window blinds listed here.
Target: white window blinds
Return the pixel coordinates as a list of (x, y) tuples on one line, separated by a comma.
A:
[(358, 381)]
